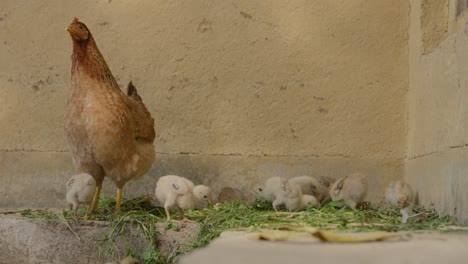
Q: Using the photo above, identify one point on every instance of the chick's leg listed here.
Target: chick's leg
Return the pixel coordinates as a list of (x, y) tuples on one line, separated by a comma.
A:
[(275, 204), (88, 210), (96, 197), (182, 214), (75, 209), (166, 209), (184, 218), (351, 203), (119, 200)]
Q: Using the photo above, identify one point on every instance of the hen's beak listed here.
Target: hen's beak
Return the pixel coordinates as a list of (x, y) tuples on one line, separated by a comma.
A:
[(69, 29)]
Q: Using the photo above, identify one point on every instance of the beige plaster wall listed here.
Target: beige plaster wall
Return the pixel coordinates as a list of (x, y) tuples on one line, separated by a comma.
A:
[(240, 90), (437, 155)]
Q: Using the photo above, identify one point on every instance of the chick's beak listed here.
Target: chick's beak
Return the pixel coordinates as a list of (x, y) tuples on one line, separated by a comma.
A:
[(69, 29)]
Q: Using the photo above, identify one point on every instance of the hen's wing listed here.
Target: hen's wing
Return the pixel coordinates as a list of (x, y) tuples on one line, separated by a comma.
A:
[(143, 120)]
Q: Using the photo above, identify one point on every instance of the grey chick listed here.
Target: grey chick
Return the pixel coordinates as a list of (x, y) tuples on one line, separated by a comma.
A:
[(80, 189), (230, 195), (399, 193), (290, 195), (178, 192), (314, 186), (352, 189)]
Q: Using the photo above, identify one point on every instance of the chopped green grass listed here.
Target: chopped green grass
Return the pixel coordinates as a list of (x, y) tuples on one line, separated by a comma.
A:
[(146, 226), (38, 213), (257, 216)]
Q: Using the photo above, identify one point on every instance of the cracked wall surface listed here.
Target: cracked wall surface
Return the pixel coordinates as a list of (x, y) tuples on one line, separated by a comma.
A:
[(437, 155), (240, 90)]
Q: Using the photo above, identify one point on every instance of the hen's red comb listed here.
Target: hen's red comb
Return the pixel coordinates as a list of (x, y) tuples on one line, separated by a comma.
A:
[(75, 20)]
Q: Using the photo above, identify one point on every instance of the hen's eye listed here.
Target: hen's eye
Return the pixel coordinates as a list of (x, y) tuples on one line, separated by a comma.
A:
[(205, 196)]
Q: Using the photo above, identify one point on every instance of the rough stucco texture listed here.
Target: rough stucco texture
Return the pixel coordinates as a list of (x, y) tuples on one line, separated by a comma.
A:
[(434, 22), (300, 79), (438, 120)]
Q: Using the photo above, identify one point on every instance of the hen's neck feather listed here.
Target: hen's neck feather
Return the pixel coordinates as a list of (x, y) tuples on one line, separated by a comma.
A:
[(87, 59)]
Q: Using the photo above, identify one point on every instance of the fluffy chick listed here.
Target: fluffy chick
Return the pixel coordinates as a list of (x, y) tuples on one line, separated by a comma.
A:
[(203, 195), (399, 193), (178, 192), (314, 186), (270, 188), (352, 189), (285, 192), (80, 189)]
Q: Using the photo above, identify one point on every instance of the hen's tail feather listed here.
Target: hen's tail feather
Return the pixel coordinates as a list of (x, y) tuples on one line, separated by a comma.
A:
[(131, 89)]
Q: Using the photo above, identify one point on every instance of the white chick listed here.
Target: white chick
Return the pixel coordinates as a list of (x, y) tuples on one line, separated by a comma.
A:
[(290, 194), (400, 194), (203, 195), (80, 189), (352, 189), (270, 188), (178, 192), (314, 186), (302, 203), (324, 180), (308, 200)]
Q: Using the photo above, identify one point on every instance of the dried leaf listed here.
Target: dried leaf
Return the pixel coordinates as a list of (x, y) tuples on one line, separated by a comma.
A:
[(337, 237), (307, 229), (280, 236)]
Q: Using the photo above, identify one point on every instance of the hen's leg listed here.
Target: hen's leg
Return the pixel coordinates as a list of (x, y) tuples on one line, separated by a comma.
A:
[(96, 197), (119, 200)]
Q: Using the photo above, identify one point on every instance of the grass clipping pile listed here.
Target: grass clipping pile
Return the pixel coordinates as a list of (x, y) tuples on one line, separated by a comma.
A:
[(332, 223)]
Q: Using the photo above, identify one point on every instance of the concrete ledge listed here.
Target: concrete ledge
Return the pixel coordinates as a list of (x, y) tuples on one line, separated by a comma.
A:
[(420, 248), (441, 179)]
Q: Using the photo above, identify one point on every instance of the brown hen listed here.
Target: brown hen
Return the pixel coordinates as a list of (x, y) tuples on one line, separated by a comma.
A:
[(109, 133)]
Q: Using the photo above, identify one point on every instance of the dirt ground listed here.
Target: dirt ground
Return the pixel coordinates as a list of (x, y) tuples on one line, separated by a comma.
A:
[(25, 240)]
